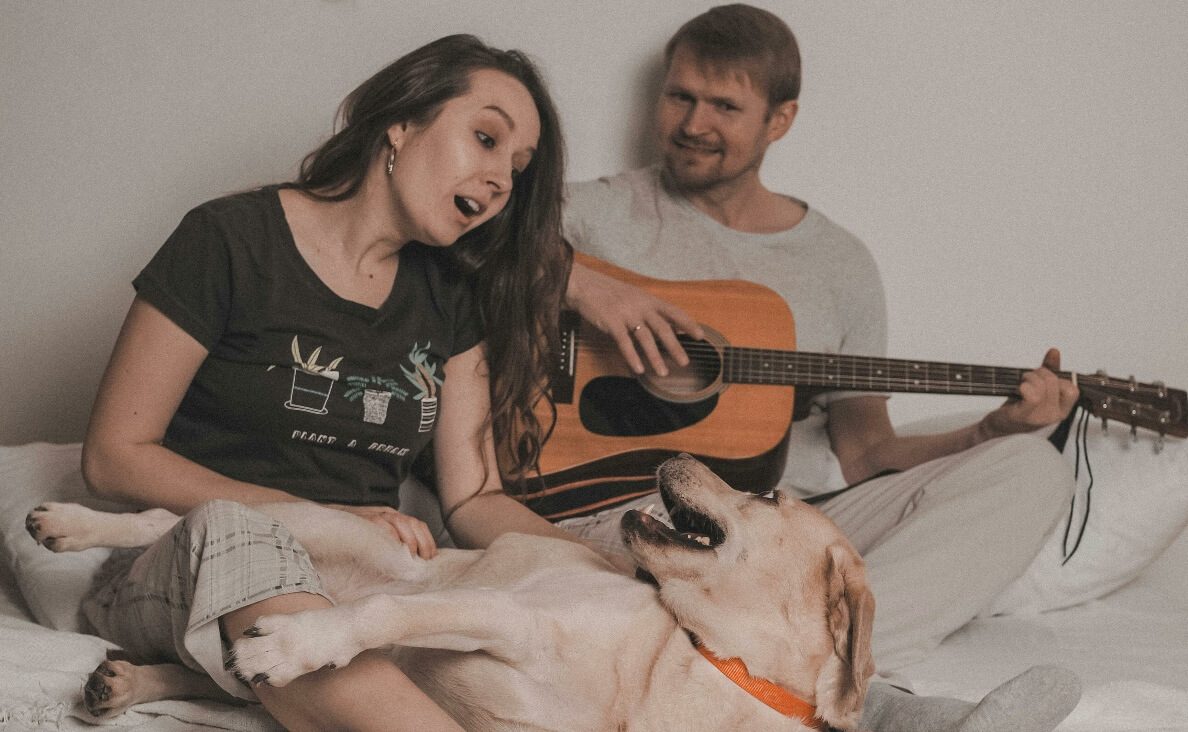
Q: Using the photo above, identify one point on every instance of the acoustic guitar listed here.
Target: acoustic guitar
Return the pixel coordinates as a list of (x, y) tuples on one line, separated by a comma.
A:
[(733, 405)]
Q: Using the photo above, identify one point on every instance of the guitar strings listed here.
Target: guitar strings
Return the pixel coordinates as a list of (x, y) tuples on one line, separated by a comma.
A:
[(741, 364), (704, 354)]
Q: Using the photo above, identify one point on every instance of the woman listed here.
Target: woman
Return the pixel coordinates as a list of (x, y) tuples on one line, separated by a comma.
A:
[(305, 341)]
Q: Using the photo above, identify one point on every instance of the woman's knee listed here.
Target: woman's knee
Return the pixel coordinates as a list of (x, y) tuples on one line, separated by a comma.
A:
[(220, 515)]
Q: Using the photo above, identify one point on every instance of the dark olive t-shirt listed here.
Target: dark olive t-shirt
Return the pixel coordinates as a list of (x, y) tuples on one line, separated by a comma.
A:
[(302, 390)]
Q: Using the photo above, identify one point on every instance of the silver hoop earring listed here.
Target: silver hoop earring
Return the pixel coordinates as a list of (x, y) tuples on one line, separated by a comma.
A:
[(391, 160)]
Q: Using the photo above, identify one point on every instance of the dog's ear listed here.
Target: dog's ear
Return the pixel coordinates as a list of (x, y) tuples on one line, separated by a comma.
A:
[(841, 685)]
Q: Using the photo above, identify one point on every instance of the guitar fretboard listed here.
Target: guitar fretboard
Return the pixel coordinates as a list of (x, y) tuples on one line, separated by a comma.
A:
[(864, 373)]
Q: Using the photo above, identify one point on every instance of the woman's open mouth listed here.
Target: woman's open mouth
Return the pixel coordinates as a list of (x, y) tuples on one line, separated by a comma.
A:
[(468, 206)]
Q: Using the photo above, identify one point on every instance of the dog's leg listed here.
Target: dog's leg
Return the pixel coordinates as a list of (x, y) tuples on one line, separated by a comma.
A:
[(70, 527), (117, 684), (282, 647)]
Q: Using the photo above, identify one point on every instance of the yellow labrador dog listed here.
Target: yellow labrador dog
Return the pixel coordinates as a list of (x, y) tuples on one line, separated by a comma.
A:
[(762, 622)]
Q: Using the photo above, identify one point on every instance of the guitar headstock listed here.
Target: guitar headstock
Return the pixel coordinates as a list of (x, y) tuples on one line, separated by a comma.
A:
[(1150, 406)]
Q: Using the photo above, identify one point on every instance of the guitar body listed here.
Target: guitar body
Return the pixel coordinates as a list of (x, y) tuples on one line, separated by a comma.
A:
[(733, 405), (613, 429)]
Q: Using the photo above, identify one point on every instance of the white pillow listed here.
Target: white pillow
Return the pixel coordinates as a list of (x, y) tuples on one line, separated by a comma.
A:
[(1138, 505), (52, 584)]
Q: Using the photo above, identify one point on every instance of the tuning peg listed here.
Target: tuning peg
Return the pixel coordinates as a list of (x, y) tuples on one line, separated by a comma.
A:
[(1160, 389), (1134, 433), (1159, 444), (1133, 383)]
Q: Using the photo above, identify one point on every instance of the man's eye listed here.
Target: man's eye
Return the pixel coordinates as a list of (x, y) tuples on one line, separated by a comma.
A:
[(485, 140)]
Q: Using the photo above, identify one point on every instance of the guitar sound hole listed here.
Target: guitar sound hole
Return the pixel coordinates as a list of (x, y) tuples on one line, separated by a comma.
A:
[(618, 406), (703, 369)]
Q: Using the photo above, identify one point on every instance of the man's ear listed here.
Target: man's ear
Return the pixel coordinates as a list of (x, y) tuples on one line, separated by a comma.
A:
[(779, 119)]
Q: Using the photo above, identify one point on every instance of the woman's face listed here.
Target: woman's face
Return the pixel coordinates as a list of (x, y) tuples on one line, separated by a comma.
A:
[(457, 172)]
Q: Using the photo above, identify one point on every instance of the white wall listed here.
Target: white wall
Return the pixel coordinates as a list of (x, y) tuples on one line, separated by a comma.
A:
[(1019, 169)]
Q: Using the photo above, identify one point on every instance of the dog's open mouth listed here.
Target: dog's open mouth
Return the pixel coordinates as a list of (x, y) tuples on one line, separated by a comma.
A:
[(690, 529)]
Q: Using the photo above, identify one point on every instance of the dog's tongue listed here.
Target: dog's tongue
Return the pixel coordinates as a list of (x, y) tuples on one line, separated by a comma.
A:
[(651, 514)]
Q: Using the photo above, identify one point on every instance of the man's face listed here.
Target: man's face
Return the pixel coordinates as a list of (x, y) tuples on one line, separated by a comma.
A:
[(714, 124)]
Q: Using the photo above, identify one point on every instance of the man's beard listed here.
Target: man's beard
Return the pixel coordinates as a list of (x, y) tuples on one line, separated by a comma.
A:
[(682, 179)]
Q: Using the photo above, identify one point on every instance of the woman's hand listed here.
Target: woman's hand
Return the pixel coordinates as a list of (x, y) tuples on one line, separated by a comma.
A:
[(412, 532), (631, 316)]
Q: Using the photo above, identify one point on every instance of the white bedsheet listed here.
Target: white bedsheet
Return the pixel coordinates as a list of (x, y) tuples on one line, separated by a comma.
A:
[(1130, 650)]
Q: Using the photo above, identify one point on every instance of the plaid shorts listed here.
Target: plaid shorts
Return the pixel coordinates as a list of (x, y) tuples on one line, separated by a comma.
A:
[(162, 604)]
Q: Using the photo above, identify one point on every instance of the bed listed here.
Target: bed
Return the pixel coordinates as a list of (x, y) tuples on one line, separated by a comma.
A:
[(1116, 614)]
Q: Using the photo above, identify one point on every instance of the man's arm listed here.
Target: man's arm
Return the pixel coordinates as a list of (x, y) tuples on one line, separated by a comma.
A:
[(865, 443), (631, 316)]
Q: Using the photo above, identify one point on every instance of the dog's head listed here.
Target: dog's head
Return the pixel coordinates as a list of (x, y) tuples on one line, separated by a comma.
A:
[(769, 580)]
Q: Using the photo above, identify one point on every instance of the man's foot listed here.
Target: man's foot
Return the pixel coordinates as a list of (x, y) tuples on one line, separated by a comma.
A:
[(1034, 701)]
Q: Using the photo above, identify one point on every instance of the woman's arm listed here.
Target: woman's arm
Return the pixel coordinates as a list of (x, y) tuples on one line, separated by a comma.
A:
[(151, 367), (469, 486)]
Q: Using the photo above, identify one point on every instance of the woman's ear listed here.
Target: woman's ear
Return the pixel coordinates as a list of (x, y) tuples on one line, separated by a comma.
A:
[(397, 134)]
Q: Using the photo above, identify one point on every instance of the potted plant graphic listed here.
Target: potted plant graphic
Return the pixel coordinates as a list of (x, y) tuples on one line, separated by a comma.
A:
[(377, 392), (312, 383), (424, 377)]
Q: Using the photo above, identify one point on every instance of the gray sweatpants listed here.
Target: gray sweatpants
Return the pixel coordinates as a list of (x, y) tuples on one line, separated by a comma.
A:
[(940, 541)]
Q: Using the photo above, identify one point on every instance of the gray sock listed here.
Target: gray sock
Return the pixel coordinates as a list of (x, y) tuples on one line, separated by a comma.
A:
[(1034, 701)]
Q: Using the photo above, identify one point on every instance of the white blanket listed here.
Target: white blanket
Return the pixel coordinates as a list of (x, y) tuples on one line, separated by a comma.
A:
[(1130, 648)]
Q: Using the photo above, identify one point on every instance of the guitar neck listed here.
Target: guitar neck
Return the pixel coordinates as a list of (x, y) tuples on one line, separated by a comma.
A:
[(865, 373)]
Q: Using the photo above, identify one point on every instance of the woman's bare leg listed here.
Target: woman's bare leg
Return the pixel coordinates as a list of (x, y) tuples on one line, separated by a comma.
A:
[(370, 693)]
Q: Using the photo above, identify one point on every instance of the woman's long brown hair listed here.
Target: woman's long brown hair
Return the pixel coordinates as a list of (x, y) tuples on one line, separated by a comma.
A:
[(518, 261)]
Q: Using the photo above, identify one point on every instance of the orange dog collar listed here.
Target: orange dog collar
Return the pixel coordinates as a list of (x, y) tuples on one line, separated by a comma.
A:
[(778, 698)]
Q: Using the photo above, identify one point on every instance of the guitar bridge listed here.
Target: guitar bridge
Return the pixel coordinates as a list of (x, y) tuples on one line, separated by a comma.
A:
[(561, 380)]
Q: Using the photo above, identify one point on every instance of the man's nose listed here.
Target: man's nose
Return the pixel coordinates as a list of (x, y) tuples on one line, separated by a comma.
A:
[(696, 121)]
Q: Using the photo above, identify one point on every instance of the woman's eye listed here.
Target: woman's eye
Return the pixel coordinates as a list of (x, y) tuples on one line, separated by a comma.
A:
[(485, 140)]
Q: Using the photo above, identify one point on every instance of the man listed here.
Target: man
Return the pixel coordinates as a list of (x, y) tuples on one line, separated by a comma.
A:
[(965, 513)]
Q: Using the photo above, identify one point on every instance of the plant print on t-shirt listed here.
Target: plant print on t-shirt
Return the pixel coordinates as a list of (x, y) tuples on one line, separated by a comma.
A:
[(424, 377), (312, 383)]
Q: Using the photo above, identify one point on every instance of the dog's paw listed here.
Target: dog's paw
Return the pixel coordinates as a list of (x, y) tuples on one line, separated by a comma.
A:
[(279, 648), (71, 527), (112, 688), (64, 527)]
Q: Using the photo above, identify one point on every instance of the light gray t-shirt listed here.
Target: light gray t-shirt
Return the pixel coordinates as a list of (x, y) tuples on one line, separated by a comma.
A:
[(825, 274)]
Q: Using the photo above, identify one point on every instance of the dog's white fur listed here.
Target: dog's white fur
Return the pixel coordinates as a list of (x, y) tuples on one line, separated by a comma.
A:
[(543, 634)]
